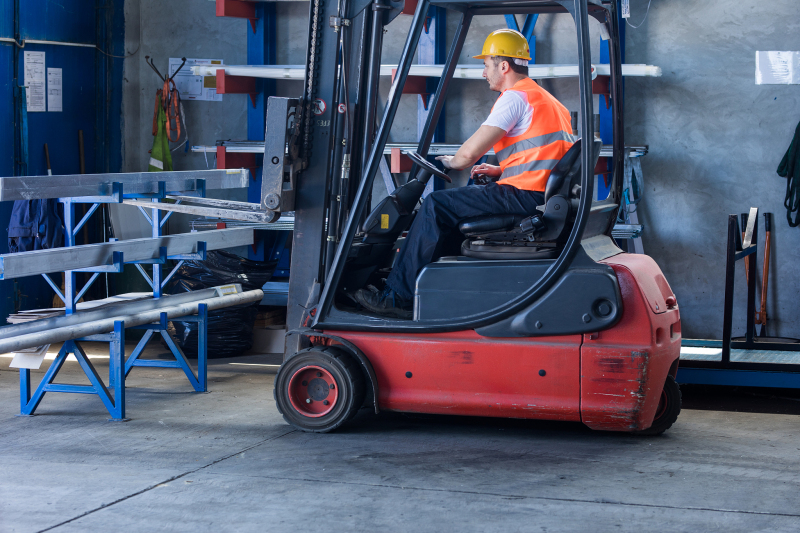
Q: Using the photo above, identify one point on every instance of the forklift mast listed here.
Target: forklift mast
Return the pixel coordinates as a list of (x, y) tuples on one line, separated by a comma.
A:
[(325, 147)]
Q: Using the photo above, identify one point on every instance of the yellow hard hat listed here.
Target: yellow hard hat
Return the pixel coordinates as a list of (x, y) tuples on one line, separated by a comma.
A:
[(507, 43)]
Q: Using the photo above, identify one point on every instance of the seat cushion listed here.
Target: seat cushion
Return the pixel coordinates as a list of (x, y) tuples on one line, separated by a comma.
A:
[(484, 224)]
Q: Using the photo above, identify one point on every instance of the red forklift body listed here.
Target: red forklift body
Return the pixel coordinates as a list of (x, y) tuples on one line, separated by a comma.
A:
[(611, 380)]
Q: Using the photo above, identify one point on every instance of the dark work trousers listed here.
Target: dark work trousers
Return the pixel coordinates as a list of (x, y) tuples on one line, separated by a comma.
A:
[(440, 215)]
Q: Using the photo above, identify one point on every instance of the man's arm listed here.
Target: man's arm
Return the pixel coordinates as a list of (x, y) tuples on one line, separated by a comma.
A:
[(474, 148)]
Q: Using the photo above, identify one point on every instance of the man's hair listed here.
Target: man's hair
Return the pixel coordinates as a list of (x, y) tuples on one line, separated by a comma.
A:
[(519, 69)]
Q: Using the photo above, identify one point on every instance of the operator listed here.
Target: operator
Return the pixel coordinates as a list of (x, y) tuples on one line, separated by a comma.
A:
[(530, 131)]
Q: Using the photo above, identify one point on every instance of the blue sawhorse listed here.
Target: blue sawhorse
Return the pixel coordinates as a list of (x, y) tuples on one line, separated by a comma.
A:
[(116, 376), (118, 367), (198, 381)]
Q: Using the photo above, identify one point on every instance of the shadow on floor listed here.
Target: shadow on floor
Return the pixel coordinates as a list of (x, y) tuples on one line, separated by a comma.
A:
[(741, 399)]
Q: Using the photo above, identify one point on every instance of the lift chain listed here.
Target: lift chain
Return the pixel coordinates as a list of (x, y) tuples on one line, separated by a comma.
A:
[(311, 77)]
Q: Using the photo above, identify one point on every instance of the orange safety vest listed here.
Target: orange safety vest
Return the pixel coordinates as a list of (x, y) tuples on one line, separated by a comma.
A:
[(527, 159)]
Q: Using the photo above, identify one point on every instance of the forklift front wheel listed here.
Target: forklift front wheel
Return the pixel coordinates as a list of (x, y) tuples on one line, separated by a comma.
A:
[(669, 407), (318, 389)]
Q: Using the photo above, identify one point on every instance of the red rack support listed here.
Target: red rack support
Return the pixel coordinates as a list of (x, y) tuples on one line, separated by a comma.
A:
[(235, 160), (236, 85), (414, 84), (409, 7), (602, 85), (238, 9), (400, 162)]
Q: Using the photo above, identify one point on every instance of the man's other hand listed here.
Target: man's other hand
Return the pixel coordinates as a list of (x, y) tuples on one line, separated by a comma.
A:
[(485, 173), (446, 161)]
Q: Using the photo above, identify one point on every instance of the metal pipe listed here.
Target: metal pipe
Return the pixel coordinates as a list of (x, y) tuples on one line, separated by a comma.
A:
[(47, 160), (135, 306), (373, 79), (762, 315), (751, 284), (94, 327), (339, 129)]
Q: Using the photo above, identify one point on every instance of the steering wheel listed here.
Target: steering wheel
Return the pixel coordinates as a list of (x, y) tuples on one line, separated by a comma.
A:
[(428, 166)]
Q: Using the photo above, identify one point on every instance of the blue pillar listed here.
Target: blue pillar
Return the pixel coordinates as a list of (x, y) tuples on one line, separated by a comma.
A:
[(431, 50), (261, 47), (607, 115)]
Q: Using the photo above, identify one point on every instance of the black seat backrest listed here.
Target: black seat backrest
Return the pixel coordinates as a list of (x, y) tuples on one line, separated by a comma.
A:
[(567, 172)]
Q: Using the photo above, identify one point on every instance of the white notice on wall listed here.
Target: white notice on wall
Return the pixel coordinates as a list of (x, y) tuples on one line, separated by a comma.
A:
[(35, 81), (54, 90), (626, 9), (194, 87)]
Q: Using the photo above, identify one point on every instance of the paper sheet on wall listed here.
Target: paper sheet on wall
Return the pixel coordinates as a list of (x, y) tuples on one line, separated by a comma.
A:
[(54, 90), (777, 68), (194, 87), (35, 82), (626, 9)]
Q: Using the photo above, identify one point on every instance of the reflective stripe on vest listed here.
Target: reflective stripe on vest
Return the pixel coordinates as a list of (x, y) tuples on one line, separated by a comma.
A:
[(539, 164), (534, 142), (526, 160)]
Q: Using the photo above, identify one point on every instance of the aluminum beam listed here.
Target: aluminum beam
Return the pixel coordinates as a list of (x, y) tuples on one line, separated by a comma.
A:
[(246, 211), (91, 255), (94, 185), (56, 334)]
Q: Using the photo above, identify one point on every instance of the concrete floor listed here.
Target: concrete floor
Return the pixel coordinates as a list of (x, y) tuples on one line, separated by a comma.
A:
[(226, 461)]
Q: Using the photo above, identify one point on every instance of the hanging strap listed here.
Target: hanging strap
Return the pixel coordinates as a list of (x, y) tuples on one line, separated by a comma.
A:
[(171, 101), (789, 168)]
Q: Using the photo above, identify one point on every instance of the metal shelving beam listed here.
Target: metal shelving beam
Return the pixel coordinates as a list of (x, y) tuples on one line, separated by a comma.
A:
[(247, 147), (466, 71), (107, 254), (133, 183)]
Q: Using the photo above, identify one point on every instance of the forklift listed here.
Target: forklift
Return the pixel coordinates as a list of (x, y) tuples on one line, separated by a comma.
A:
[(536, 317)]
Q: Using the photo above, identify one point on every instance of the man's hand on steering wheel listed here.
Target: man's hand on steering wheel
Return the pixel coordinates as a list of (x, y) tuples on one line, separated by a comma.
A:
[(484, 174), (446, 159)]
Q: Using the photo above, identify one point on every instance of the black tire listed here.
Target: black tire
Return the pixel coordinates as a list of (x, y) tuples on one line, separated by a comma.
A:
[(312, 377), (669, 407)]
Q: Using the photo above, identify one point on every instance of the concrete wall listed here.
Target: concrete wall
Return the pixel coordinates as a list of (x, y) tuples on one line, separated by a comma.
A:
[(715, 141), (178, 28), (715, 137)]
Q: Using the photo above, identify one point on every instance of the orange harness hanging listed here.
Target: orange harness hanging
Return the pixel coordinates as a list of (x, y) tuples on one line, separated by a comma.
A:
[(169, 100)]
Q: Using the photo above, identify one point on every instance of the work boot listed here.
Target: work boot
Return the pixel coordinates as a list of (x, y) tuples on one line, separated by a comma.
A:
[(386, 303)]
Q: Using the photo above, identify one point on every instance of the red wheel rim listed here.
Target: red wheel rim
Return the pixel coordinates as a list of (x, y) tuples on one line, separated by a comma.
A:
[(662, 405), (313, 391)]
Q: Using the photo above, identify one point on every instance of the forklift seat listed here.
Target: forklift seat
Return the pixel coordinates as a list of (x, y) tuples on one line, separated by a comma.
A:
[(535, 236)]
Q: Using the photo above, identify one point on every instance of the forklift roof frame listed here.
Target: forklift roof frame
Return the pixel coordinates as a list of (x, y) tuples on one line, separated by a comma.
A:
[(328, 317)]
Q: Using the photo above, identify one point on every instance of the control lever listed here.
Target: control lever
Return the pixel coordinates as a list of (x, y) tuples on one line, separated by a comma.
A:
[(532, 224)]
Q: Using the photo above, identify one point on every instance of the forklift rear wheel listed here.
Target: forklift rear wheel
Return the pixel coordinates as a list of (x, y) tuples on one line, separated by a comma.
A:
[(318, 389), (669, 407)]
